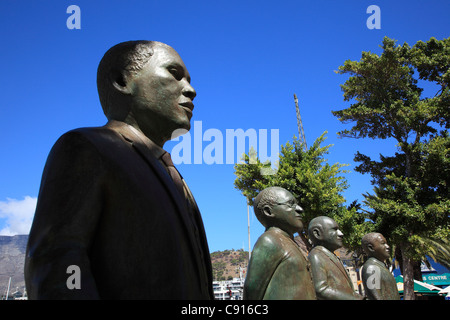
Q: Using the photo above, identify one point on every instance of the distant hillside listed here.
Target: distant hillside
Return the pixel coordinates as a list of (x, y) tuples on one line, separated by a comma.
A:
[(228, 264), (12, 260)]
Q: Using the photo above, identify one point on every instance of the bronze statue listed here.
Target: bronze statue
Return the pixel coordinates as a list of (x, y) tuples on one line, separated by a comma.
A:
[(111, 203), (278, 270), (331, 280), (379, 283)]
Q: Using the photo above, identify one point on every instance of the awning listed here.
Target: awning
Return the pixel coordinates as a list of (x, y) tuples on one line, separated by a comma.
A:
[(445, 290), (419, 287)]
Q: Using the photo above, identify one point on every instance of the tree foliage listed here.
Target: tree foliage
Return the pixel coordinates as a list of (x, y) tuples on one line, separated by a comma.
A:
[(411, 199), (316, 184)]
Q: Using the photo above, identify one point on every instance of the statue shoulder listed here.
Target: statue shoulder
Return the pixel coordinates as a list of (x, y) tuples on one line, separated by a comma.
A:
[(269, 242), (81, 143), (319, 255), (88, 136), (317, 252), (91, 133), (268, 239), (372, 265)]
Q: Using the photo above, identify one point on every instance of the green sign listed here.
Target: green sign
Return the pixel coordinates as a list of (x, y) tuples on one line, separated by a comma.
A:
[(437, 279)]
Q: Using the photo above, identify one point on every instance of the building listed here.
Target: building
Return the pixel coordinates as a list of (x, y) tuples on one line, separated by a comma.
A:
[(229, 289)]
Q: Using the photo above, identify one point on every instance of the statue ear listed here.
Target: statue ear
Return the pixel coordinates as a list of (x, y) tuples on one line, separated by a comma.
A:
[(268, 211), (370, 247), (120, 81), (317, 233)]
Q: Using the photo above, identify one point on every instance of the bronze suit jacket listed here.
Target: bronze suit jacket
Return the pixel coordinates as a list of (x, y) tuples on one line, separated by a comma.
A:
[(109, 207), (330, 278), (379, 283), (278, 270)]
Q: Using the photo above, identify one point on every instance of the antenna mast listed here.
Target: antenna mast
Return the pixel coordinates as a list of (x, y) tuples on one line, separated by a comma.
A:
[(301, 133)]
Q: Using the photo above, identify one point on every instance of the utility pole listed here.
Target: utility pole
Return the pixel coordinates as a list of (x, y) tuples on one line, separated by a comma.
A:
[(7, 291), (248, 221), (301, 133)]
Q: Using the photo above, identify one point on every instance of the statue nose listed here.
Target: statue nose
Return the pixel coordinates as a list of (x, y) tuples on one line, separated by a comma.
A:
[(189, 91)]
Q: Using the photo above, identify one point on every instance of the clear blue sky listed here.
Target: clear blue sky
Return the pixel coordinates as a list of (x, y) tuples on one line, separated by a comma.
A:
[(246, 59)]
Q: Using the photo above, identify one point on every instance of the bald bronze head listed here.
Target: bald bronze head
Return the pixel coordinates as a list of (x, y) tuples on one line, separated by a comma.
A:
[(277, 207), (324, 231)]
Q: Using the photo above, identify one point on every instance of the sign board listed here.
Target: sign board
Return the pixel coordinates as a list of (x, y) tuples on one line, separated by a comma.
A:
[(437, 279)]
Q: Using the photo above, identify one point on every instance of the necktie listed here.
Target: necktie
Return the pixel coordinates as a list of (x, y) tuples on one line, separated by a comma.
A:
[(173, 172), (176, 177)]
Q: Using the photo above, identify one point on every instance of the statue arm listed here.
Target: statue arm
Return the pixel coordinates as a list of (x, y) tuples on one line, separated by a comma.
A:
[(265, 258), (66, 215), (320, 279), (371, 281)]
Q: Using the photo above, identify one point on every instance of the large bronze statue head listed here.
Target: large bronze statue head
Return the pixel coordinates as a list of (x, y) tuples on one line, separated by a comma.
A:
[(277, 207), (147, 85), (324, 231)]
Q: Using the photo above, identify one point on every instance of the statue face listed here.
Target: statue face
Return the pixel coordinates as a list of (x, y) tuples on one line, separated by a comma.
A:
[(287, 213), (379, 248), (331, 237), (162, 95)]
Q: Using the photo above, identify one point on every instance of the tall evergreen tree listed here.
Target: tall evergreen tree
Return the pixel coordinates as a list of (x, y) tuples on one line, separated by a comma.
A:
[(411, 197)]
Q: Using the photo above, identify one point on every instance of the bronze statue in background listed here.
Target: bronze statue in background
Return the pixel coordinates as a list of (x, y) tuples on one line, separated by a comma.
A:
[(111, 204), (379, 283), (278, 270), (331, 280)]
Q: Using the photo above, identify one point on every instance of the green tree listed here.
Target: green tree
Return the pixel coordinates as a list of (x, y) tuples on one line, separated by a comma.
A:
[(410, 203), (316, 185)]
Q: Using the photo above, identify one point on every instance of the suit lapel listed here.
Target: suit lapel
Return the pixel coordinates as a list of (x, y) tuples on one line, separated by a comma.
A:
[(150, 153), (202, 235), (197, 216), (337, 262), (146, 152), (161, 172)]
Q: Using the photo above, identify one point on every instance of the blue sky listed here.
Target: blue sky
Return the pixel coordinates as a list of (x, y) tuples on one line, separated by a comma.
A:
[(246, 59)]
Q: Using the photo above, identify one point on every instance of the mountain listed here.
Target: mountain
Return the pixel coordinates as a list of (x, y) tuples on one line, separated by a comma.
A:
[(12, 259), (228, 264)]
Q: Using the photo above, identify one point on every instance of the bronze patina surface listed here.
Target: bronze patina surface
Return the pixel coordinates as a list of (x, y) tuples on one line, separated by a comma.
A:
[(378, 281), (331, 280), (278, 270), (109, 202)]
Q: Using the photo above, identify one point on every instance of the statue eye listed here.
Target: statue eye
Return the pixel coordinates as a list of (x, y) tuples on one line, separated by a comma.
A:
[(176, 72)]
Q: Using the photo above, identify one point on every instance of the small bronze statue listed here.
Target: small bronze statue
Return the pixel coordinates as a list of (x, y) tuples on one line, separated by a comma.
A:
[(379, 283), (111, 205), (331, 280), (278, 270)]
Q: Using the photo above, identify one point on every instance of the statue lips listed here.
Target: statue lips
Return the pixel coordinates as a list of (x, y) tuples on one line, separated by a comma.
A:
[(388, 252), (188, 106), (339, 240)]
